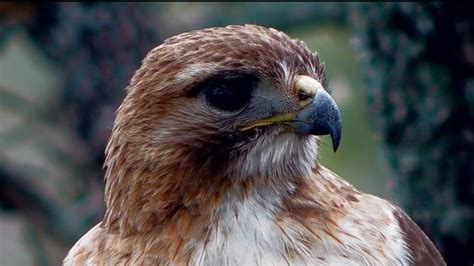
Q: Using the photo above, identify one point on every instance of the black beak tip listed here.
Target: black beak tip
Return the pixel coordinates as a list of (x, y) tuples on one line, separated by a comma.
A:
[(336, 139), (335, 131)]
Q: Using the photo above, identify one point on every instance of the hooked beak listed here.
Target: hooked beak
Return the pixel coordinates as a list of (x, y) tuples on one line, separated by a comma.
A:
[(319, 115)]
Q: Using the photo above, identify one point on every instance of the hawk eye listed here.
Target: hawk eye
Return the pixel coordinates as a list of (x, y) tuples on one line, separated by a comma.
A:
[(229, 92)]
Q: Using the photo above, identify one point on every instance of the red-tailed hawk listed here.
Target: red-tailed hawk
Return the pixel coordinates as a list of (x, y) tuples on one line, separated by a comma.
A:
[(213, 161)]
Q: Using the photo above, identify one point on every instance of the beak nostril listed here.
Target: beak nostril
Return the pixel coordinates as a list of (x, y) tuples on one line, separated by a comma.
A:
[(302, 96)]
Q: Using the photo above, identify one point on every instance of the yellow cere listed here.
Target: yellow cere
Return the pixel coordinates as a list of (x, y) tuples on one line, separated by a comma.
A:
[(308, 86)]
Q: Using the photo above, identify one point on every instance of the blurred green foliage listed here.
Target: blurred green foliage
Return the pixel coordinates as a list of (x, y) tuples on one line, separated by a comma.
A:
[(358, 158)]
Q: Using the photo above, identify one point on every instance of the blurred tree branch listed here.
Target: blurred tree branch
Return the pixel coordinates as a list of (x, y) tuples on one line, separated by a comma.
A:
[(418, 59), (51, 160)]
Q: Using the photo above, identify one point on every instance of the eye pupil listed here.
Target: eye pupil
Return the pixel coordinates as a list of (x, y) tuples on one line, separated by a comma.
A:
[(222, 92), (229, 94)]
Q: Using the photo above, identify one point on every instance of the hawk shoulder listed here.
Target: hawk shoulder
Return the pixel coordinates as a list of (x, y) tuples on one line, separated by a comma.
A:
[(423, 251)]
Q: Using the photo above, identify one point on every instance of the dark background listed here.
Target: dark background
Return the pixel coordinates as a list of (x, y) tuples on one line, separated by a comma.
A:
[(402, 74)]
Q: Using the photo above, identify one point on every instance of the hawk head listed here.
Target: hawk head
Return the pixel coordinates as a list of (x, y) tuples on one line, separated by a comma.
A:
[(210, 110)]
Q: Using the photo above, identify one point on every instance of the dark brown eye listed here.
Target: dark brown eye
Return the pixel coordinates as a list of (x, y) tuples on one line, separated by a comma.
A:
[(229, 92)]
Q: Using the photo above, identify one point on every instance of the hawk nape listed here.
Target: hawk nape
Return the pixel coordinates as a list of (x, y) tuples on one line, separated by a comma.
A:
[(213, 161)]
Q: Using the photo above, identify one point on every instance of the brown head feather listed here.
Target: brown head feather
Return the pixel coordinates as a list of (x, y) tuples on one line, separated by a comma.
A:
[(163, 151)]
